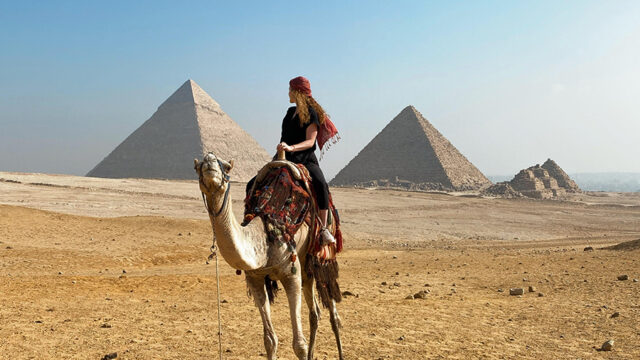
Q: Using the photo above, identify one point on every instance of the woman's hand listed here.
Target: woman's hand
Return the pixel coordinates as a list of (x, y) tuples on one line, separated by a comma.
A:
[(285, 147)]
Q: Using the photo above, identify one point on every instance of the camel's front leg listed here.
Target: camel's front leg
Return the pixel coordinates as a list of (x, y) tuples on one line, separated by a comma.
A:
[(314, 312), (259, 293), (293, 286)]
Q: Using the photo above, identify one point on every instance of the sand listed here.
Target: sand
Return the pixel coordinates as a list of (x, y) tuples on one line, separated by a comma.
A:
[(95, 266)]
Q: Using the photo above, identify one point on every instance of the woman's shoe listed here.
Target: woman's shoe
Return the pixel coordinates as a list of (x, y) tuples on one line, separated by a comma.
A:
[(327, 237)]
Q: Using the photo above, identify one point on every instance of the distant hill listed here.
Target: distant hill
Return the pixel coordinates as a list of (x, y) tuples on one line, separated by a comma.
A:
[(609, 181), (499, 178), (623, 182)]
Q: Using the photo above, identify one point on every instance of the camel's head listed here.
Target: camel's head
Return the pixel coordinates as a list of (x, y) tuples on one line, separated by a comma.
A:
[(213, 173)]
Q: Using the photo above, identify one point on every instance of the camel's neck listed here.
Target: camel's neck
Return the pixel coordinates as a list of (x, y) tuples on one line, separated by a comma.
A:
[(243, 248)]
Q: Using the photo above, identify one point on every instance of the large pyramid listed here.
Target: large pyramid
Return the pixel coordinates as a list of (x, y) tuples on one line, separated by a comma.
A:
[(410, 150), (186, 126)]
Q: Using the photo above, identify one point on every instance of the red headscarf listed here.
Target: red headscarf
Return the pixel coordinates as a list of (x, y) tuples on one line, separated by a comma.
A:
[(301, 84), (327, 130)]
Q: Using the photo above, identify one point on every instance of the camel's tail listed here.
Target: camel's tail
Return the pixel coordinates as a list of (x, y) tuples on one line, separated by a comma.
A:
[(272, 288)]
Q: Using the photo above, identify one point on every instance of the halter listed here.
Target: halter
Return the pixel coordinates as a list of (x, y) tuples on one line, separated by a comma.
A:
[(225, 179)]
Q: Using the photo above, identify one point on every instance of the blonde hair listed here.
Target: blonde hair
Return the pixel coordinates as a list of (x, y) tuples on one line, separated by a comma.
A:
[(302, 103)]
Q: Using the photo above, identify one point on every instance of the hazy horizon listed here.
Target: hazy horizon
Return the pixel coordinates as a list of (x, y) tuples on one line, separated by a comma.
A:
[(509, 84)]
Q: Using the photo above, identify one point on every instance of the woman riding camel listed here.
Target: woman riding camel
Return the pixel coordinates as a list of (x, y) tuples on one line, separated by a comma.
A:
[(302, 126)]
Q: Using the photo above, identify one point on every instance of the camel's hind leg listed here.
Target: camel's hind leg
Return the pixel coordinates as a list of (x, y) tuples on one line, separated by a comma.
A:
[(336, 326), (314, 312), (259, 293)]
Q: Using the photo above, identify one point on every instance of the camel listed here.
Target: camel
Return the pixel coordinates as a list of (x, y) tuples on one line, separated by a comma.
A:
[(247, 249)]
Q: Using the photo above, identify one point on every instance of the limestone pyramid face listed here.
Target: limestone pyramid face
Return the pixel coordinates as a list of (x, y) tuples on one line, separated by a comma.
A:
[(410, 150), (186, 126)]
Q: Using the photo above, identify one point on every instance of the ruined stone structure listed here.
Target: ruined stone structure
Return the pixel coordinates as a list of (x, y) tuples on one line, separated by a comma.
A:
[(535, 182), (556, 172), (543, 182), (411, 153), (186, 126), (502, 189)]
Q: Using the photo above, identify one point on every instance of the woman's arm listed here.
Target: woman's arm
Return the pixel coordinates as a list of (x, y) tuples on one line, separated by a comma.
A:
[(312, 133)]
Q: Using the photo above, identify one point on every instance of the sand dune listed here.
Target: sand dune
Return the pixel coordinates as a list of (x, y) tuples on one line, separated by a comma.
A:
[(66, 240)]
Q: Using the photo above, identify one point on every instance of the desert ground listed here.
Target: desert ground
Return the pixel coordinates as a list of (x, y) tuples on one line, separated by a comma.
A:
[(90, 267)]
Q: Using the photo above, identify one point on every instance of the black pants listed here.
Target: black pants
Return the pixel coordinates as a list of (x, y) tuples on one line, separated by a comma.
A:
[(320, 186)]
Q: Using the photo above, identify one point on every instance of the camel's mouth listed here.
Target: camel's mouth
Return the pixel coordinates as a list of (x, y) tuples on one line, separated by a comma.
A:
[(213, 178)]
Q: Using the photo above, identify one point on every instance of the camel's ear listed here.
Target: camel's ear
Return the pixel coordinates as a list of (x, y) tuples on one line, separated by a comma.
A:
[(195, 164), (226, 167), (231, 163)]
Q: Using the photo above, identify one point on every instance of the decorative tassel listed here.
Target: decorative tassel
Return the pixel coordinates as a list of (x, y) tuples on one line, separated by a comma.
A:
[(328, 145), (326, 275)]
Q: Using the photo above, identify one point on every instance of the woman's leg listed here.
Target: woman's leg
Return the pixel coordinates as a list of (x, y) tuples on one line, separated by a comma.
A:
[(321, 188)]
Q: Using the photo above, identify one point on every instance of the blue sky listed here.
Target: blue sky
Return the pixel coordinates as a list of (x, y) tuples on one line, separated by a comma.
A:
[(509, 83)]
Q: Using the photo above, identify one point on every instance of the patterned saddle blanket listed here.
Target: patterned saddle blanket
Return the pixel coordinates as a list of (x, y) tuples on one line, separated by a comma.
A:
[(285, 202)]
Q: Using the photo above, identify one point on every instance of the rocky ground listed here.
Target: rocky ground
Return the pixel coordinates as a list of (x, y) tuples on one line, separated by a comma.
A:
[(91, 267)]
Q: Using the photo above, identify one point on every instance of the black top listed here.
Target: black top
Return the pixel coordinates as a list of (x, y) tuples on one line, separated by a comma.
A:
[(293, 133)]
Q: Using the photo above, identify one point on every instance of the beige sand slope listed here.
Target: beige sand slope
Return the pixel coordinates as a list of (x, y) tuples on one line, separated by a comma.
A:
[(186, 126), (412, 149)]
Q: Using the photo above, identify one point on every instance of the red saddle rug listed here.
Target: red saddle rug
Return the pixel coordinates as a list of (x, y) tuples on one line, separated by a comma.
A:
[(282, 202)]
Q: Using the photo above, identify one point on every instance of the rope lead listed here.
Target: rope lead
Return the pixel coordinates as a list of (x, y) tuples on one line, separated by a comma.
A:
[(215, 253), (214, 248)]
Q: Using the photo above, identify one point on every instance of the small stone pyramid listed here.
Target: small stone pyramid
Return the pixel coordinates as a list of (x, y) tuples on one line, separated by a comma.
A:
[(543, 182), (410, 150), (548, 181), (186, 126), (563, 179), (536, 182)]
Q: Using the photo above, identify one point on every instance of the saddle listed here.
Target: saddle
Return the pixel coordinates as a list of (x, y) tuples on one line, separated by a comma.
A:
[(283, 197)]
